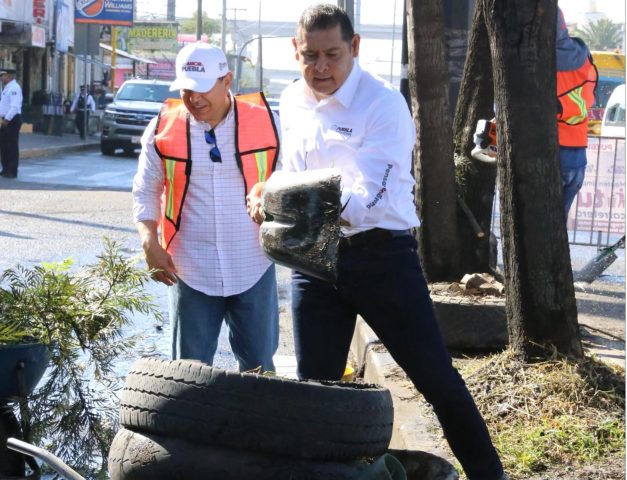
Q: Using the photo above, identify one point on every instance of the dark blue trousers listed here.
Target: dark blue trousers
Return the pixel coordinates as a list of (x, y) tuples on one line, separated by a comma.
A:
[(9, 145), (383, 282)]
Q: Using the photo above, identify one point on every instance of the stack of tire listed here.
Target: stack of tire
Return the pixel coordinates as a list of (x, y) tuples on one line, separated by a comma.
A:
[(186, 420)]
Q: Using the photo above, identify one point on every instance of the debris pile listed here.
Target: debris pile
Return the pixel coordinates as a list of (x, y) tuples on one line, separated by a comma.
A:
[(472, 285)]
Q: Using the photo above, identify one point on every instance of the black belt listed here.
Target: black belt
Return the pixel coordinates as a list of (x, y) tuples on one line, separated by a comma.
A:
[(372, 237)]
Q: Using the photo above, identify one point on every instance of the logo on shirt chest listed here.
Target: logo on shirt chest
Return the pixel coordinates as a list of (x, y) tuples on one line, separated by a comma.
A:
[(346, 132)]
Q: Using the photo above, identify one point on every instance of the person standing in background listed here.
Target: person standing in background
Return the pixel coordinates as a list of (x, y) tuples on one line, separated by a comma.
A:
[(10, 123), (576, 83), (82, 104)]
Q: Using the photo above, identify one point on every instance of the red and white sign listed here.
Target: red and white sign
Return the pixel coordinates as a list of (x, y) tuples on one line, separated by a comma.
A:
[(39, 12), (600, 204), (38, 36)]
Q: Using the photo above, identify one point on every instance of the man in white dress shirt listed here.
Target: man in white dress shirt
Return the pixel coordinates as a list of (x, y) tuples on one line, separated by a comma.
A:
[(10, 123), (340, 116), (199, 158)]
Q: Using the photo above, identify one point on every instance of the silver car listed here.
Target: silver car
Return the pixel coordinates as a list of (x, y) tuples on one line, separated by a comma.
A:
[(125, 119)]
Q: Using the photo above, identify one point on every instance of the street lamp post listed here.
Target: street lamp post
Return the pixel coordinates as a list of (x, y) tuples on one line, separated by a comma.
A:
[(239, 62), (260, 51), (238, 73), (199, 21)]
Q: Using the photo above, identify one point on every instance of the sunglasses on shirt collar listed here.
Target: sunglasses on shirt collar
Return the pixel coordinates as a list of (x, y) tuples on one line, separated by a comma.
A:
[(214, 153)]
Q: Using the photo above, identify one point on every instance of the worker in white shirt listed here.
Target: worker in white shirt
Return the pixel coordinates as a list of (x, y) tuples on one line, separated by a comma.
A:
[(10, 123), (82, 104), (202, 155), (340, 116)]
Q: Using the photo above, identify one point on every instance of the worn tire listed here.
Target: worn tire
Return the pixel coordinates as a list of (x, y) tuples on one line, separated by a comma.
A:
[(306, 419), (107, 148), (146, 456)]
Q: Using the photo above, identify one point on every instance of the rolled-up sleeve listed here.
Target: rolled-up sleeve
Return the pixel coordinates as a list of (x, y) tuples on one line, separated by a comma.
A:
[(148, 183)]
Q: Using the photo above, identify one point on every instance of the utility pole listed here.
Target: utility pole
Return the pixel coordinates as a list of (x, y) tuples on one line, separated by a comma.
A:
[(199, 21), (235, 10), (171, 15), (260, 52), (223, 32), (114, 46), (404, 86), (349, 8), (393, 39)]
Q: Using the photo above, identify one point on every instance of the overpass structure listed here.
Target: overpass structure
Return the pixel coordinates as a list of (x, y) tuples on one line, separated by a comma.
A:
[(245, 29)]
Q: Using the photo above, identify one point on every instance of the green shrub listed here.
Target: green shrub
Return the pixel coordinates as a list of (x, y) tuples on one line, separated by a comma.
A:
[(80, 316)]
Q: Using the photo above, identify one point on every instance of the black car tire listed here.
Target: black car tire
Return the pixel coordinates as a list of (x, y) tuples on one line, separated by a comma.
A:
[(107, 148), (304, 419), (146, 456)]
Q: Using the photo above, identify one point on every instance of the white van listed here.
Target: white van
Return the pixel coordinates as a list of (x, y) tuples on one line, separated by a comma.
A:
[(613, 124)]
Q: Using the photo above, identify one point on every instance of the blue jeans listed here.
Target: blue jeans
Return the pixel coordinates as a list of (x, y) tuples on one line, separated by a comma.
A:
[(572, 180), (573, 169), (252, 318), (383, 283)]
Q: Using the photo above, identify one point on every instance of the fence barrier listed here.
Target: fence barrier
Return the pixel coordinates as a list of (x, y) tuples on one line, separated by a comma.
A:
[(597, 217)]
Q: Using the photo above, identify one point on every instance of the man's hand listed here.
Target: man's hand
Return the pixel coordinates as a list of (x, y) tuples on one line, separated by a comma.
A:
[(161, 261), (253, 203), (157, 258)]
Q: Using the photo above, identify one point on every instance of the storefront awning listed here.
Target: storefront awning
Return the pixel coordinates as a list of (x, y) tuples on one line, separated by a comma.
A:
[(124, 54)]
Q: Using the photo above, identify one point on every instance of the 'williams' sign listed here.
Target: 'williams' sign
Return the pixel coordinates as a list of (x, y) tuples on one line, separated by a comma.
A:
[(104, 12)]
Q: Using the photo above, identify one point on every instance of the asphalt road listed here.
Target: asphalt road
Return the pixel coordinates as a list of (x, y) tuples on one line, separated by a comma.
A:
[(62, 206)]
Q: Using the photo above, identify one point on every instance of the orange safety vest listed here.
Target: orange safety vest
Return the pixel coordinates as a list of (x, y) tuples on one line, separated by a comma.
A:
[(256, 152), (575, 93)]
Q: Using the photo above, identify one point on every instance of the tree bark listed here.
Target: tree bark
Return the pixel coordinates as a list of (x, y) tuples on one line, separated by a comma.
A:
[(433, 154), (476, 180), (541, 308)]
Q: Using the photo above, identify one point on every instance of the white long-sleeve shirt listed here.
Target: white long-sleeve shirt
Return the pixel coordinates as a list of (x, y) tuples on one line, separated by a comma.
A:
[(11, 101), (364, 129), (91, 105), (216, 251)]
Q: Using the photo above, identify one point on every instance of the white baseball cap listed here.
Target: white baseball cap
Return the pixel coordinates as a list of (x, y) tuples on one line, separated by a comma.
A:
[(198, 66)]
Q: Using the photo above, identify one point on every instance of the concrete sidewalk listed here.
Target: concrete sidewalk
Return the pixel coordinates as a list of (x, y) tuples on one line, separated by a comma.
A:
[(38, 145)]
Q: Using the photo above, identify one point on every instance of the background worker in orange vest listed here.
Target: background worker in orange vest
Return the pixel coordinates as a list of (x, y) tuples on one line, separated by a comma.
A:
[(202, 154), (576, 82)]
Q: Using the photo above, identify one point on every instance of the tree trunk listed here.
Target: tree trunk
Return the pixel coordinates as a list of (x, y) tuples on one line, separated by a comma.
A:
[(475, 180), (433, 155), (541, 308)]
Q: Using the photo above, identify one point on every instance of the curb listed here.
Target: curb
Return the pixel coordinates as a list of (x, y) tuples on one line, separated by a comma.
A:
[(412, 430), (44, 151)]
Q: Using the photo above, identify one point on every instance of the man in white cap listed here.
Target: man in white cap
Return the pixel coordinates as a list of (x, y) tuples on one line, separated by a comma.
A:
[(199, 159), (10, 123)]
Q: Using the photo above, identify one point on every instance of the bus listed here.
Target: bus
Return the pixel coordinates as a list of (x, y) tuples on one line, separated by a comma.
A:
[(611, 68)]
